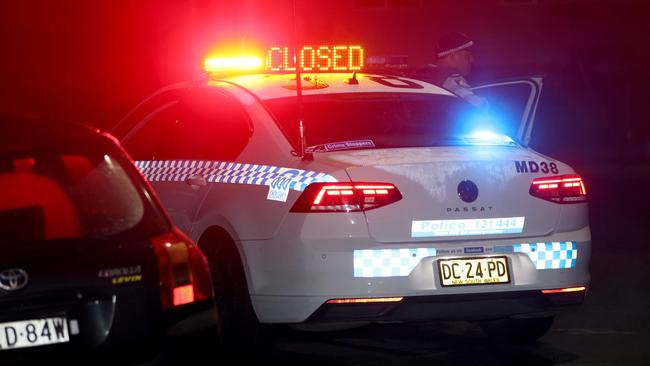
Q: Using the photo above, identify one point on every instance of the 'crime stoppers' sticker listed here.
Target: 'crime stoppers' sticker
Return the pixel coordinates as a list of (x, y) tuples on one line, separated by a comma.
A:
[(342, 145)]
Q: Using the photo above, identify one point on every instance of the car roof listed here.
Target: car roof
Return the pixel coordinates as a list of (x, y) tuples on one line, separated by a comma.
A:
[(272, 86), (25, 133)]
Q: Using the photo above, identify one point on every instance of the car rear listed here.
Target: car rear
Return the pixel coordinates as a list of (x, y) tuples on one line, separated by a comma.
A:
[(90, 261), (436, 215)]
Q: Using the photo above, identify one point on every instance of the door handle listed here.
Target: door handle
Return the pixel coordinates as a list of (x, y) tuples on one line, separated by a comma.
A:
[(196, 181)]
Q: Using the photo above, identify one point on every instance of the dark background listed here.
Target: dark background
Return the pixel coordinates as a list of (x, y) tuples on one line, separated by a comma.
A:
[(91, 60)]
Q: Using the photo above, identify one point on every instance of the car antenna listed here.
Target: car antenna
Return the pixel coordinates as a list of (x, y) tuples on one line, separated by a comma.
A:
[(301, 123), (353, 80)]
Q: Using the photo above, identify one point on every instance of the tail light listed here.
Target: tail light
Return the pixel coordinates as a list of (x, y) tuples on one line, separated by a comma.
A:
[(560, 189), (346, 197), (184, 274)]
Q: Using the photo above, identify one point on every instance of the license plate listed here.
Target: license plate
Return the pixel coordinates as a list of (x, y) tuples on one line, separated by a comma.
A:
[(34, 332), (473, 271)]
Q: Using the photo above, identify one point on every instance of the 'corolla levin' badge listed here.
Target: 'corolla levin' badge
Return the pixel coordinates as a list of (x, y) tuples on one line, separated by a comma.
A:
[(467, 191), (13, 279)]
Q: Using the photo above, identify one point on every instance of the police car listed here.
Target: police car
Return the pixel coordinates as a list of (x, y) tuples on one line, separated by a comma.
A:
[(354, 196)]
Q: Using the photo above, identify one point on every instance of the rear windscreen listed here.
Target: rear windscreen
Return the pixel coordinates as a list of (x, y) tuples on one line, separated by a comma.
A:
[(379, 120), (54, 195)]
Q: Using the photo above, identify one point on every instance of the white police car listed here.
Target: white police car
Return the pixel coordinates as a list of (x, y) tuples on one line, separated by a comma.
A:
[(400, 207)]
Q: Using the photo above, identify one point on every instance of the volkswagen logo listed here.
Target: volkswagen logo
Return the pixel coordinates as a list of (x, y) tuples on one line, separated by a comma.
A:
[(13, 279), (467, 191)]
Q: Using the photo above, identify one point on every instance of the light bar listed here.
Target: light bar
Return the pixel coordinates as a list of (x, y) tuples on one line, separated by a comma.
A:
[(487, 138), (222, 64), (564, 290), (365, 300)]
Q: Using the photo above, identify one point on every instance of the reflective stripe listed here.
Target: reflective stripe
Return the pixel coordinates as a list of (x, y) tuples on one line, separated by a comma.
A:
[(389, 262), (553, 255), (456, 49), (229, 172), (401, 262)]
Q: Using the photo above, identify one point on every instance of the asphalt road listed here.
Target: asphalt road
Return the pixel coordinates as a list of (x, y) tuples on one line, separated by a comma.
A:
[(612, 327)]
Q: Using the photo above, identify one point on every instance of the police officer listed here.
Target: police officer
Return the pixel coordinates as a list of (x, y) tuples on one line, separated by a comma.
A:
[(453, 64)]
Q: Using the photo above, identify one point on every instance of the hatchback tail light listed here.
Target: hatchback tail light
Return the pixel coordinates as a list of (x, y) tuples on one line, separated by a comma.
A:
[(346, 197), (184, 274), (560, 189)]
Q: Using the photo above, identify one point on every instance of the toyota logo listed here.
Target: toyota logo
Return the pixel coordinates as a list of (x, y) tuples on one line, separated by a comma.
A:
[(467, 191), (13, 279)]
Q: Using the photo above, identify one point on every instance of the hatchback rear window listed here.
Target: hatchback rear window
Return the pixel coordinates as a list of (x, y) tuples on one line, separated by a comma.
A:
[(50, 195)]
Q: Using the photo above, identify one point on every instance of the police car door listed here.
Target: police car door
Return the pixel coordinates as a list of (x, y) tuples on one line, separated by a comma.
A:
[(172, 142), (514, 103)]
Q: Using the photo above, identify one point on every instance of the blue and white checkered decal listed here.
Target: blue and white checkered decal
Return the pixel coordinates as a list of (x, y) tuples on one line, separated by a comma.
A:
[(230, 172), (555, 255), (389, 262), (401, 262)]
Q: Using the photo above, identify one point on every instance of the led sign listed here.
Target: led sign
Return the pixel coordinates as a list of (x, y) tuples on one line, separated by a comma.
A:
[(316, 59)]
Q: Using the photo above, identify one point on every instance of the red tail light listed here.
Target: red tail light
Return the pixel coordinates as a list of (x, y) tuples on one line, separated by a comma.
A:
[(346, 197), (184, 275), (560, 189)]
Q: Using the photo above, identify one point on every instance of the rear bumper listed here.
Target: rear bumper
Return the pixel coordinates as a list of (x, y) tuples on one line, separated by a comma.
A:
[(451, 307), (100, 325), (293, 284), (194, 318)]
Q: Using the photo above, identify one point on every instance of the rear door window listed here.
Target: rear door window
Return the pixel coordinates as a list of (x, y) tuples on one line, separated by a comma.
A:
[(209, 126), (203, 125), (144, 141)]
